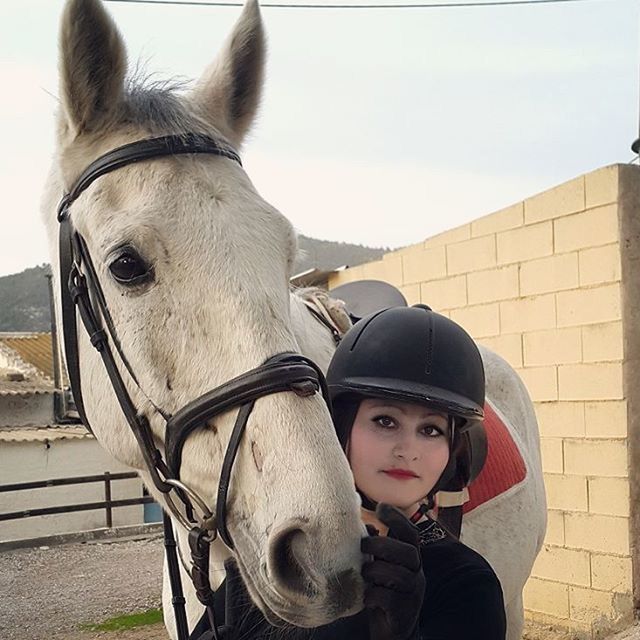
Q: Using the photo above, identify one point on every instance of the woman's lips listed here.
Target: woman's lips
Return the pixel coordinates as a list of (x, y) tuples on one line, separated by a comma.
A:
[(400, 474)]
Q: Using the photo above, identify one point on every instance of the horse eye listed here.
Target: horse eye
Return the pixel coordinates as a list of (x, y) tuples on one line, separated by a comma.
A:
[(129, 268)]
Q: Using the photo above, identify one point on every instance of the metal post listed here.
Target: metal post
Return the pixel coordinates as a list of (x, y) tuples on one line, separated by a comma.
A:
[(107, 498), (59, 408)]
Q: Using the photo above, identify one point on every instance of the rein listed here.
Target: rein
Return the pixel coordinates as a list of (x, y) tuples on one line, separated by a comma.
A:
[(82, 294)]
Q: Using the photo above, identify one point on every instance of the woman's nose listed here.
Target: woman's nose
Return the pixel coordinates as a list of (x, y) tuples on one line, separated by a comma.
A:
[(405, 450)]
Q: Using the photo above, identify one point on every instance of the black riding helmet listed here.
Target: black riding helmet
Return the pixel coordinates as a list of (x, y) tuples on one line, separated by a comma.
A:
[(410, 354)]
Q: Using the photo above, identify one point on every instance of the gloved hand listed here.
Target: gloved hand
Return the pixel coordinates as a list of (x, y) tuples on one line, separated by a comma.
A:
[(394, 581)]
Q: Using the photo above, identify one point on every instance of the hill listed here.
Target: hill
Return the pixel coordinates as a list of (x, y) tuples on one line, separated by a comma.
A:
[(24, 298)]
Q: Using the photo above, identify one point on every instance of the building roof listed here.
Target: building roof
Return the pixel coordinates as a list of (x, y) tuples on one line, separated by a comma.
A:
[(34, 349), (43, 434), (26, 387), (29, 359), (314, 277)]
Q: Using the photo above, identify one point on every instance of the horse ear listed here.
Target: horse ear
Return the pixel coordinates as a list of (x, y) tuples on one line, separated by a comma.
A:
[(228, 93), (92, 66)]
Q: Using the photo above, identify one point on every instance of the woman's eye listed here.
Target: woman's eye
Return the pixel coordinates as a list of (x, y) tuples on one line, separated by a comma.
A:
[(384, 421), (130, 268), (432, 431)]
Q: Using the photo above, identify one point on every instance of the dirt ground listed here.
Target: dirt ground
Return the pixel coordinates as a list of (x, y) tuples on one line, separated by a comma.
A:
[(149, 632), (49, 592)]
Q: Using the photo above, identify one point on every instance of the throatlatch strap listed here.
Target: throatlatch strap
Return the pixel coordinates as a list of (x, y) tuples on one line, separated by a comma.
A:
[(177, 599)]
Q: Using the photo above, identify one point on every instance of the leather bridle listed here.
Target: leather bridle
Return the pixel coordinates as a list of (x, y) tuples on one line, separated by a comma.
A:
[(81, 292)]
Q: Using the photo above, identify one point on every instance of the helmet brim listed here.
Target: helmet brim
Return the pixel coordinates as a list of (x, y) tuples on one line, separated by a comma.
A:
[(405, 391)]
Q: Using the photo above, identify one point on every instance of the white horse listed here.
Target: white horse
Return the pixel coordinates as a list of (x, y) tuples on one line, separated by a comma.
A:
[(213, 303), (217, 304)]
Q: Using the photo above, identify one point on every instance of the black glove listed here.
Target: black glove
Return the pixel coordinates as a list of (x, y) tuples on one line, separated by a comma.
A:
[(394, 581)]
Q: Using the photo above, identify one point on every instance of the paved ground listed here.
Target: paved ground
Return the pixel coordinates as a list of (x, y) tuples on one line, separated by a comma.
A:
[(47, 593)]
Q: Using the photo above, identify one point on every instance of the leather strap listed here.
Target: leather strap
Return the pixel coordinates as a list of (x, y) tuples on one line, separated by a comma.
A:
[(144, 150), (284, 372), (177, 600), (225, 475)]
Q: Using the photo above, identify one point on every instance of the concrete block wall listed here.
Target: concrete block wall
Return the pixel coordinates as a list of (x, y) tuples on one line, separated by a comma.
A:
[(541, 284)]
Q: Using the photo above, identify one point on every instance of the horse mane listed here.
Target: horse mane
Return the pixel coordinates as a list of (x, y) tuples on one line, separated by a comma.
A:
[(158, 106)]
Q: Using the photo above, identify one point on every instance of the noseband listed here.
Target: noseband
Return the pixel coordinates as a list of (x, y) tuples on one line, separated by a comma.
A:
[(81, 291)]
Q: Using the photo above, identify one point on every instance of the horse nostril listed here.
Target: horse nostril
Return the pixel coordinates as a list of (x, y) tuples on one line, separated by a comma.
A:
[(286, 552)]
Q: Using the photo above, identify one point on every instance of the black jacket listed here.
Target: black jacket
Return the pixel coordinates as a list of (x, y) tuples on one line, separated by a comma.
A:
[(462, 600)]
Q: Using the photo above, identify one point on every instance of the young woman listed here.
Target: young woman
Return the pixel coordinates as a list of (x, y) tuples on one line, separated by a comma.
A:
[(405, 384)]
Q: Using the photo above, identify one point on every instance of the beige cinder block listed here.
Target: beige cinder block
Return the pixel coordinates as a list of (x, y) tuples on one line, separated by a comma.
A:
[(457, 234), (386, 270), (479, 320), (411, 292), (586, 229), (561, 419), (589, 605), (493, 284), (508, 218), (448, 293), (545, 275), (404, 251), (555, 528), (551, 450), (547, 597), (589, 306), (601, 186), (471, 255), (602, 342), (567, 493), (528, 314), (606, 419), (509, 346), (552, 346), (561, 200), (351, 274), (606, 458), (420, 266), (525, 243), (599, 265), (600, 381), (563, 565), (609, 496), (611, 573), (541, 382), (607, 534)]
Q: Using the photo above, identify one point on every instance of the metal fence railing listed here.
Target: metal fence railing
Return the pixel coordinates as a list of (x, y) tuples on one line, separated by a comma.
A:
[(108, 504)]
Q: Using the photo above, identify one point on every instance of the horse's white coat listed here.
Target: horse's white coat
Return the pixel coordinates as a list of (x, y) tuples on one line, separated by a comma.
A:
[(219, 305)]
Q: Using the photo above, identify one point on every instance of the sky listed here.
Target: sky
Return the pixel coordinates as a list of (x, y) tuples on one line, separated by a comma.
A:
[(381, 127)]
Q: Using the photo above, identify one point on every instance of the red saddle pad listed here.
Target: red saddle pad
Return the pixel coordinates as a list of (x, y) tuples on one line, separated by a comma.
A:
[(504, 467)]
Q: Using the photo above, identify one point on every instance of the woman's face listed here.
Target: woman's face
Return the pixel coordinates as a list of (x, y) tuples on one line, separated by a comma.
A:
[(397, 451)]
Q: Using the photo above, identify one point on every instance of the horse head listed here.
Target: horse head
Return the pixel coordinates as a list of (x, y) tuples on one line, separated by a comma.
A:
[(193, 266)]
